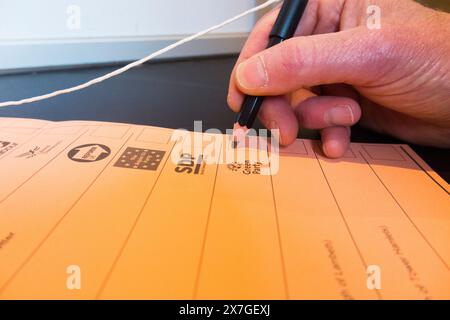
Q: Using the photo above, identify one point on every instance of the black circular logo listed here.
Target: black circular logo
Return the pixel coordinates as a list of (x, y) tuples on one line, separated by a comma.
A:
[(89, 153)]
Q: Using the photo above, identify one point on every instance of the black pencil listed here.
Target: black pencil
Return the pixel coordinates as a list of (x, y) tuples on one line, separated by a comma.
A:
[(284, 28)]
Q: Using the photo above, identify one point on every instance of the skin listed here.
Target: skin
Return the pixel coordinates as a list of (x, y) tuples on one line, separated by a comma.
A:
[(337, 72)]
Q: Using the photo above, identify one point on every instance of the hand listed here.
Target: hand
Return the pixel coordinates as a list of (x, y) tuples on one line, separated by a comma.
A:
[(336, 72)]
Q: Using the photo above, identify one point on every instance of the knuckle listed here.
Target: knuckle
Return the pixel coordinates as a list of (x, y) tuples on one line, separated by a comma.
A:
[(381, 53), (387, 49), (291, 56)]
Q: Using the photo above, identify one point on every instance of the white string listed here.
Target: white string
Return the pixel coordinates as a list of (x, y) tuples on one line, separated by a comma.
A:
[(138, 62)]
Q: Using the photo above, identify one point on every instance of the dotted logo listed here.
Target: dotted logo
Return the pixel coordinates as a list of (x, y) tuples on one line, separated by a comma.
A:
[(138, 158)]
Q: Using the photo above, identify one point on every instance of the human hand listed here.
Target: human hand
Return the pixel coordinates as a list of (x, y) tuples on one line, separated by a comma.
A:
[(337, 72)]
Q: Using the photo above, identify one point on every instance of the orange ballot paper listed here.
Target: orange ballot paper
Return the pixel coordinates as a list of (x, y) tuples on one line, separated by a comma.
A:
[(92, 210)]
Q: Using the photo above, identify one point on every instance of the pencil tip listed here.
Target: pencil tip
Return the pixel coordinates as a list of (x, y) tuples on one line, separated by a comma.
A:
[(239, 134)]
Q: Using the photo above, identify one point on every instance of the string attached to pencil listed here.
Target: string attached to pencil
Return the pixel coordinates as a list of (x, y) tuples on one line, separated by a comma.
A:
[(138, 62)]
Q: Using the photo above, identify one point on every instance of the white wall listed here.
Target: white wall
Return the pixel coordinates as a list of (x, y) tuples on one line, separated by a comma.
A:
[(40, 33)]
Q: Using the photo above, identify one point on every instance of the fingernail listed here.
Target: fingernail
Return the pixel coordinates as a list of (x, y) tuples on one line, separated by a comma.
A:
[(252, 73), (340, 116), (273, 125)]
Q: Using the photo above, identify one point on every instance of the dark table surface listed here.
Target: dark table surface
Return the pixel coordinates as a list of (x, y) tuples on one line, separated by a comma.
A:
[(169, 94)]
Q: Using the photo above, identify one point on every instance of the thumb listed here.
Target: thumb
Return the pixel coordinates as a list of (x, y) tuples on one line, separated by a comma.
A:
[(356, 56)]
